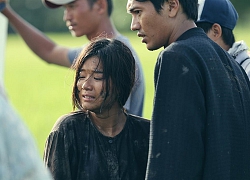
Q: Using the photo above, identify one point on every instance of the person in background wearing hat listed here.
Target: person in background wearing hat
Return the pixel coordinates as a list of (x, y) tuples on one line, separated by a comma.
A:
[(218, 19), (200, 127), (83, 17)]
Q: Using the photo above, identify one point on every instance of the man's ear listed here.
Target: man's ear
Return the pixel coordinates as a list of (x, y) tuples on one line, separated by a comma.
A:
[(101, 6), (216, 31), (173, 7)]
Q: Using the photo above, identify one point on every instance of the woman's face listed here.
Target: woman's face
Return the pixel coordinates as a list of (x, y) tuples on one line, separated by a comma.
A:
[(91, 85)]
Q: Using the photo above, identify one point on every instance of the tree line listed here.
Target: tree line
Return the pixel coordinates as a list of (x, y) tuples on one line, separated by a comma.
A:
[(51, 20)]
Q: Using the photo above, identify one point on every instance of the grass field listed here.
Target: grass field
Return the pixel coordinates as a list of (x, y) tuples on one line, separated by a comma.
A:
[(41, 92)]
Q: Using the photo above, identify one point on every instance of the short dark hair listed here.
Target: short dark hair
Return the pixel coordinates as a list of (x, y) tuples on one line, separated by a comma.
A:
[(227, 34), (190, 7), (118, 68), (110, 5)]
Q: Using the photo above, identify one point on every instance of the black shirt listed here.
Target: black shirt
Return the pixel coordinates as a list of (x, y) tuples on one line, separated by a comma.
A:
[(201, 117), (76, 150)]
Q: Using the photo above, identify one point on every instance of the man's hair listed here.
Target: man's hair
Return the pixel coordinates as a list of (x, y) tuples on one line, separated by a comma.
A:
[(227, 34), (110, 5), (190, 7), (118, 69)]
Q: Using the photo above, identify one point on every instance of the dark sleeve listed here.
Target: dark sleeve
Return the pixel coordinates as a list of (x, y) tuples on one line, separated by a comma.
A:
[(57, 155), (176, 139)]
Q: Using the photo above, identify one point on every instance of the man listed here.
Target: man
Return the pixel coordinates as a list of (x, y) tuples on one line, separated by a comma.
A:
[(218, 22), (19, 158), (200, 125), (83, 17)]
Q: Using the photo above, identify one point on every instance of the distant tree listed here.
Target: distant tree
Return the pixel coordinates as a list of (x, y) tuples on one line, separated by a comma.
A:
[(243, 9), (50, 20), (38, 15)]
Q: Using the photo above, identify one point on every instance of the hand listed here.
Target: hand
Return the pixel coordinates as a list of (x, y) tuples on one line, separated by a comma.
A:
[(2, 6)]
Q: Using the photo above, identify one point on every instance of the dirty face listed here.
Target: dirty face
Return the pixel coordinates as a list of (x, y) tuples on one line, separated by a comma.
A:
[(91, 85), (150, 25)]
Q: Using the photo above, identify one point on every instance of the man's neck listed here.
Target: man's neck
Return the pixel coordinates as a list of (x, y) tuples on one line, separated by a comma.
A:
[(106, 29)]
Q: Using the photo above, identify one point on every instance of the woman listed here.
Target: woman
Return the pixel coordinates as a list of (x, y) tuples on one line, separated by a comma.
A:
[(100, 141)]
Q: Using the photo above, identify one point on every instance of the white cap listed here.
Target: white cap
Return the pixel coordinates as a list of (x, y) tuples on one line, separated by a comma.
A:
[(56, 3)]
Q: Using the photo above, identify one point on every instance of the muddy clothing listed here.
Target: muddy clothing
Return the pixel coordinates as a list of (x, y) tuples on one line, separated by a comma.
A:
[(76, 150), (201, 116)]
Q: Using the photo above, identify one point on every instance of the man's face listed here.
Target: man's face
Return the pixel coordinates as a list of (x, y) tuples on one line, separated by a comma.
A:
[(81, 19), (151, 26)]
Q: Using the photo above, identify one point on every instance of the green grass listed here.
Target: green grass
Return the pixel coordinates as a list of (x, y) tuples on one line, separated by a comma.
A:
[(41, 92)]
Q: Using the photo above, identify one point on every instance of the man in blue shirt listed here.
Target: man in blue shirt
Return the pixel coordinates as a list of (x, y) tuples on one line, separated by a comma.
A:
[(96, 22)]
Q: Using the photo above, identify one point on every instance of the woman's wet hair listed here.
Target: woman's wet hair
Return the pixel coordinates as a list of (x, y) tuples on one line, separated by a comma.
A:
[(118, 69)]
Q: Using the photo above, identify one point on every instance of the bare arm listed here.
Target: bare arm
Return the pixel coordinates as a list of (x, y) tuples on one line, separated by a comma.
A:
[(37, 41)]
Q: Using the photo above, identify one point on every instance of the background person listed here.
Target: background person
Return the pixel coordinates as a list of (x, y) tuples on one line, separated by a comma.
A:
[(19, 158), (96, 22), (200, 127), (100, 140), (218, 21), (3, 37)]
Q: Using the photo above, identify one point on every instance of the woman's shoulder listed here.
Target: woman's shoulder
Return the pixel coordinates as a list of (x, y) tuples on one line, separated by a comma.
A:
[(138, 118), (69, 119), (138, 121), (138, 127)]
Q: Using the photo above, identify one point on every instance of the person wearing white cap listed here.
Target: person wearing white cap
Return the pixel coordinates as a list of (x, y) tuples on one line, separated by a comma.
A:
[(218, 21), (96, 22)]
